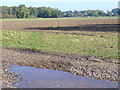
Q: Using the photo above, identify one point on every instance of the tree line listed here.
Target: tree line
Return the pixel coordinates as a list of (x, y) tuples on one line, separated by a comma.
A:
[(89, 13), (22, 11)]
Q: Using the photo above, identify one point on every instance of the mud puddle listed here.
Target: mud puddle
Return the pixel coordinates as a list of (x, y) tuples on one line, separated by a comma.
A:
[(45, 78)]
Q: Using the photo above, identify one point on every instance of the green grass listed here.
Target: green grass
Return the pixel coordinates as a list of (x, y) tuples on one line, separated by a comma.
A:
[(61, 43), (59, 18)]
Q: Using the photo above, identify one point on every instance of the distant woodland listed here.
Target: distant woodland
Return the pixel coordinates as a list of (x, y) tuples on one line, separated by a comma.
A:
[(22, 11)]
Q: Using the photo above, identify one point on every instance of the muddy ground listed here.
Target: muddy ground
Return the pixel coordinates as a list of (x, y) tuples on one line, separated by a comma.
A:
[(89, 66)]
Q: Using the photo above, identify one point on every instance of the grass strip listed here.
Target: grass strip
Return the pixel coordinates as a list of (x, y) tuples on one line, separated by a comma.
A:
[(69, 18), (63, 43)]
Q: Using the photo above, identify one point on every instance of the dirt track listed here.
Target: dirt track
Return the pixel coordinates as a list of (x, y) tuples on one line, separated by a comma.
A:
[(96, 67)]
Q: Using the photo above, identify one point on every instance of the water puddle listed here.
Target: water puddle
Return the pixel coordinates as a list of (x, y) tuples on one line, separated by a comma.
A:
[(45, 78)]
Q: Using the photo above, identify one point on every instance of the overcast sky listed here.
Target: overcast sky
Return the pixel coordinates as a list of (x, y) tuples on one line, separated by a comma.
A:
[(66, 4)]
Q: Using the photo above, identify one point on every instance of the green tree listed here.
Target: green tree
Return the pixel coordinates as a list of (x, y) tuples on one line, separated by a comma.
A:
[(43, 12), (101, 13), (68, 13), (33, 12), (56, 13), (47, 12), (116, 11), (95, 13), (14, 11), (23, 12), (4, 11), (89, 13), (77, 13), (108, 13)]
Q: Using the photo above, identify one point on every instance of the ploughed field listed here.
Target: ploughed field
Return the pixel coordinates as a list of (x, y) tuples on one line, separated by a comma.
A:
[(87, 47), (62, 25)]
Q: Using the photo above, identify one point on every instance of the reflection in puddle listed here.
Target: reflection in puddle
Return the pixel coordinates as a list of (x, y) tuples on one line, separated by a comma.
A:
[(45, 78)]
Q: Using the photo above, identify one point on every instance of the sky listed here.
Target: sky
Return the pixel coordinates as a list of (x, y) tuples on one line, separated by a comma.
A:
[(65, 5)]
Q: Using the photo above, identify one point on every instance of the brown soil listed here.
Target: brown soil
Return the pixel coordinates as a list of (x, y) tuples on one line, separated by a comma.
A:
[(63, 26), (95, 67), (90, 66)]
